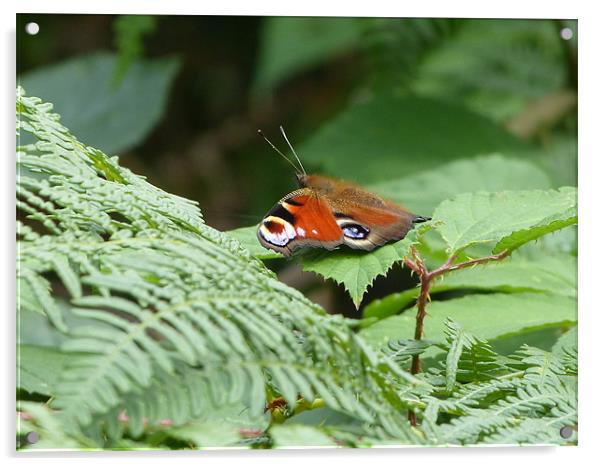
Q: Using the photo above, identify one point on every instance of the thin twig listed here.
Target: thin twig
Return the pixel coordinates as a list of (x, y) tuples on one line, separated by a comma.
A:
[(448, 267), (417, 265)]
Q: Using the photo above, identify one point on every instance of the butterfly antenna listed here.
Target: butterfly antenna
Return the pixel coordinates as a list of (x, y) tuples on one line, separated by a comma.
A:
[(294, 153), (278, 151)]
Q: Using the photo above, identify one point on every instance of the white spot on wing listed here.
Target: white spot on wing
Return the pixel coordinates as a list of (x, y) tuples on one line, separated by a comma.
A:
[(301, 232)]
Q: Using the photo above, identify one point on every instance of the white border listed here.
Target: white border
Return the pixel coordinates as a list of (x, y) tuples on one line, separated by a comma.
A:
[(589, 231), (384, 8)]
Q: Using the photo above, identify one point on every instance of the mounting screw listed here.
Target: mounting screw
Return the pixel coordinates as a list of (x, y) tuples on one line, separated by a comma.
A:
[(32, 437), (566, 33), (32, 28), (566, 432)]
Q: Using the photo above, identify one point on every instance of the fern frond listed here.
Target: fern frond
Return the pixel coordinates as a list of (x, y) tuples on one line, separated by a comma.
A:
[(544, 430), (171, 311), (566, 349), (473, 395), (469, 358), (541, 367), (473, 427), (402, 350), (532, 395)]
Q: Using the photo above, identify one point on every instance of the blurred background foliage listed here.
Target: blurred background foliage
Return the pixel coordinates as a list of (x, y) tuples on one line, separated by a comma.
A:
[(445, 105)]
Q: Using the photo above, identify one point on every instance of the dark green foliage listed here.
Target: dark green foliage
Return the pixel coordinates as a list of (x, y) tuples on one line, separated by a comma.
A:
[(140, 326)]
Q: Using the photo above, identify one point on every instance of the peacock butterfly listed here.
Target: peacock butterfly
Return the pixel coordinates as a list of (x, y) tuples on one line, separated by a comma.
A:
[(326, 213)]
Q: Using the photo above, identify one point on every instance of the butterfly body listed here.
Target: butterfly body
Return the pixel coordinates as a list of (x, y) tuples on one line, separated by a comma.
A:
[(327, 213)]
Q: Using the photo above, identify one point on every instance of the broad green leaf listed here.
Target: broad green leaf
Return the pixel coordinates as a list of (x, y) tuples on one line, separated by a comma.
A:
[(543, 338), (111, 118), (555, 274), (356, 270), (423, 191), (504, 220), (39, 368), (299, 435), (291, 45), (391, 136), (247, 237), (489, 316)]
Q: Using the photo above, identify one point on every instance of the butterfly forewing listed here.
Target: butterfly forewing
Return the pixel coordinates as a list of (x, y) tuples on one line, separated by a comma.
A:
[(303, 219)]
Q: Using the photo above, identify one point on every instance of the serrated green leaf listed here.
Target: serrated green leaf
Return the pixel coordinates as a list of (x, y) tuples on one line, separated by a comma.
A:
[(504, 220), (356, 270), (490, 316), (423, 191), (553, 273)]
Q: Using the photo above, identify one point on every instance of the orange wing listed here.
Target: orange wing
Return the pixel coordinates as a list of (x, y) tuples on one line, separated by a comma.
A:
[(304, 219)]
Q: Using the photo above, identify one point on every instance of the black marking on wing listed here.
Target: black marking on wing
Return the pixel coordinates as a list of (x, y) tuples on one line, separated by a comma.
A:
[(279, 211), (293, 202)]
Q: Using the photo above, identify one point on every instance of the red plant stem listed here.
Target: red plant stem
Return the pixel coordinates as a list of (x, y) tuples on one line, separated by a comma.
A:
[(423, 298), (426, 279), (448, 267)]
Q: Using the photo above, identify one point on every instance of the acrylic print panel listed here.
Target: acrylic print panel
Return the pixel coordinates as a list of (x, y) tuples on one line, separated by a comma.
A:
[(150, 316)]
